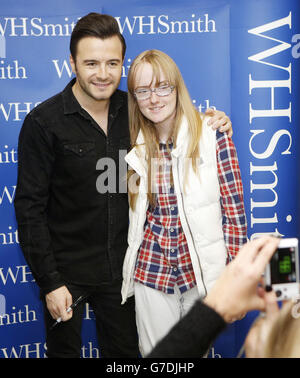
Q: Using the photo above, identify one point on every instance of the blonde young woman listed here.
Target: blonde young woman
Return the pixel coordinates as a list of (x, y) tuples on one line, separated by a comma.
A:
[(186, 199)]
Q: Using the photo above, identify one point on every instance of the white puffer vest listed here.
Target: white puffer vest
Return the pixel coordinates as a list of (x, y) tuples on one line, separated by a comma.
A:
[(198, 204)]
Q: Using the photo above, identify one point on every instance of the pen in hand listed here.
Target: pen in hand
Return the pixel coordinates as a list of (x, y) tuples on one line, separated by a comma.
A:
[(73, 305)]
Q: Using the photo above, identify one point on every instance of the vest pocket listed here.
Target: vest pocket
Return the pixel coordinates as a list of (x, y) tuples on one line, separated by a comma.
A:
[(206, 223)]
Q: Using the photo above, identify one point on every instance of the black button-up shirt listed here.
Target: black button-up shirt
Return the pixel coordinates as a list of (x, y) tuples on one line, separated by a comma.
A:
[(72, 218)]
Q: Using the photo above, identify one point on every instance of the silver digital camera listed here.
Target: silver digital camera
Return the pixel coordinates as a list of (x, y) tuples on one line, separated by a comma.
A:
[(282, 272)]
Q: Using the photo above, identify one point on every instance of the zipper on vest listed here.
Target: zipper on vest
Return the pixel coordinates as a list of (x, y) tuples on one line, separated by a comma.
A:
[(183, 212), (198, 258)]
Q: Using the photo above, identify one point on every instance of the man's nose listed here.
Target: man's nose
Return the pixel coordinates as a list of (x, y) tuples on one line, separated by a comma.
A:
[(102, 72)]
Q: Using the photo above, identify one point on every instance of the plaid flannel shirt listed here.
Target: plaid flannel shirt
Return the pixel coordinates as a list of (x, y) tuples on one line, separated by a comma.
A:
[(163, 259)]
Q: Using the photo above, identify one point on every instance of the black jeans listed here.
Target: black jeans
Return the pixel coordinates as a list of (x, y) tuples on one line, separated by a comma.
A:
[(115, 324)]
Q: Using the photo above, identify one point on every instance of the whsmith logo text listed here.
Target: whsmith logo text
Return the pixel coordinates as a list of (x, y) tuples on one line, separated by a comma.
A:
[(271, 71), (161, 24)]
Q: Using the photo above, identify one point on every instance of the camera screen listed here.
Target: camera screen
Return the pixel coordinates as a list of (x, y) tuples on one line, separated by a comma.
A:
[(283, 268)]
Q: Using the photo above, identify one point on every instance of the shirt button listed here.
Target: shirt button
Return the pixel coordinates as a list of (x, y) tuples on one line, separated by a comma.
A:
[(172, 208), (172, 250), (174, 269), (172, 229)]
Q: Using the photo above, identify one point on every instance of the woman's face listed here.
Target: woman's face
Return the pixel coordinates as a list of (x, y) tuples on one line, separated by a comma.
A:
[(161, 110)]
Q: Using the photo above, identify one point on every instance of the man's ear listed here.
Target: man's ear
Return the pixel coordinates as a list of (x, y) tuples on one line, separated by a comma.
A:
[(73, 64)]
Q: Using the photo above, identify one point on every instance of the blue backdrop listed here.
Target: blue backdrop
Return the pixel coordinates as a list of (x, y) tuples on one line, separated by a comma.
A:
[(238, 56)]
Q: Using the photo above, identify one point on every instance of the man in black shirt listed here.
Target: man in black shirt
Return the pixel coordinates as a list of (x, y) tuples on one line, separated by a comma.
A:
[(72, 217)]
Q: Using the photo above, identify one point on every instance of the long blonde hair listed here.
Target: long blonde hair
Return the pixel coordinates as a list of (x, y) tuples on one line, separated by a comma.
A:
[(283, 340), (184, 106)]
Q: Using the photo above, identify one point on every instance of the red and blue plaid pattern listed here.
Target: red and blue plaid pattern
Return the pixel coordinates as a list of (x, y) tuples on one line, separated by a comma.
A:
[(163, 258), (232, 198)]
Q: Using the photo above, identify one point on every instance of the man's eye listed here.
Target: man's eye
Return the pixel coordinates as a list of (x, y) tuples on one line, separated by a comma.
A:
[(115, 64)]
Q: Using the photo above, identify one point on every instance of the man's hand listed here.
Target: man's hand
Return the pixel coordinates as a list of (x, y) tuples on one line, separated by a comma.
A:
[(236, 291), (57, 303), (219, 120)]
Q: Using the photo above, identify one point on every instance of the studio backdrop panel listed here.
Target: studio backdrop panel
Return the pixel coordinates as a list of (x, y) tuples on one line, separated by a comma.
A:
[(241, 57)]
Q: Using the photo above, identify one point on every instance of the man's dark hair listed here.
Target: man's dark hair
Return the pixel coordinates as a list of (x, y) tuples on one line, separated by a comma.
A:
[(95, 25)]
